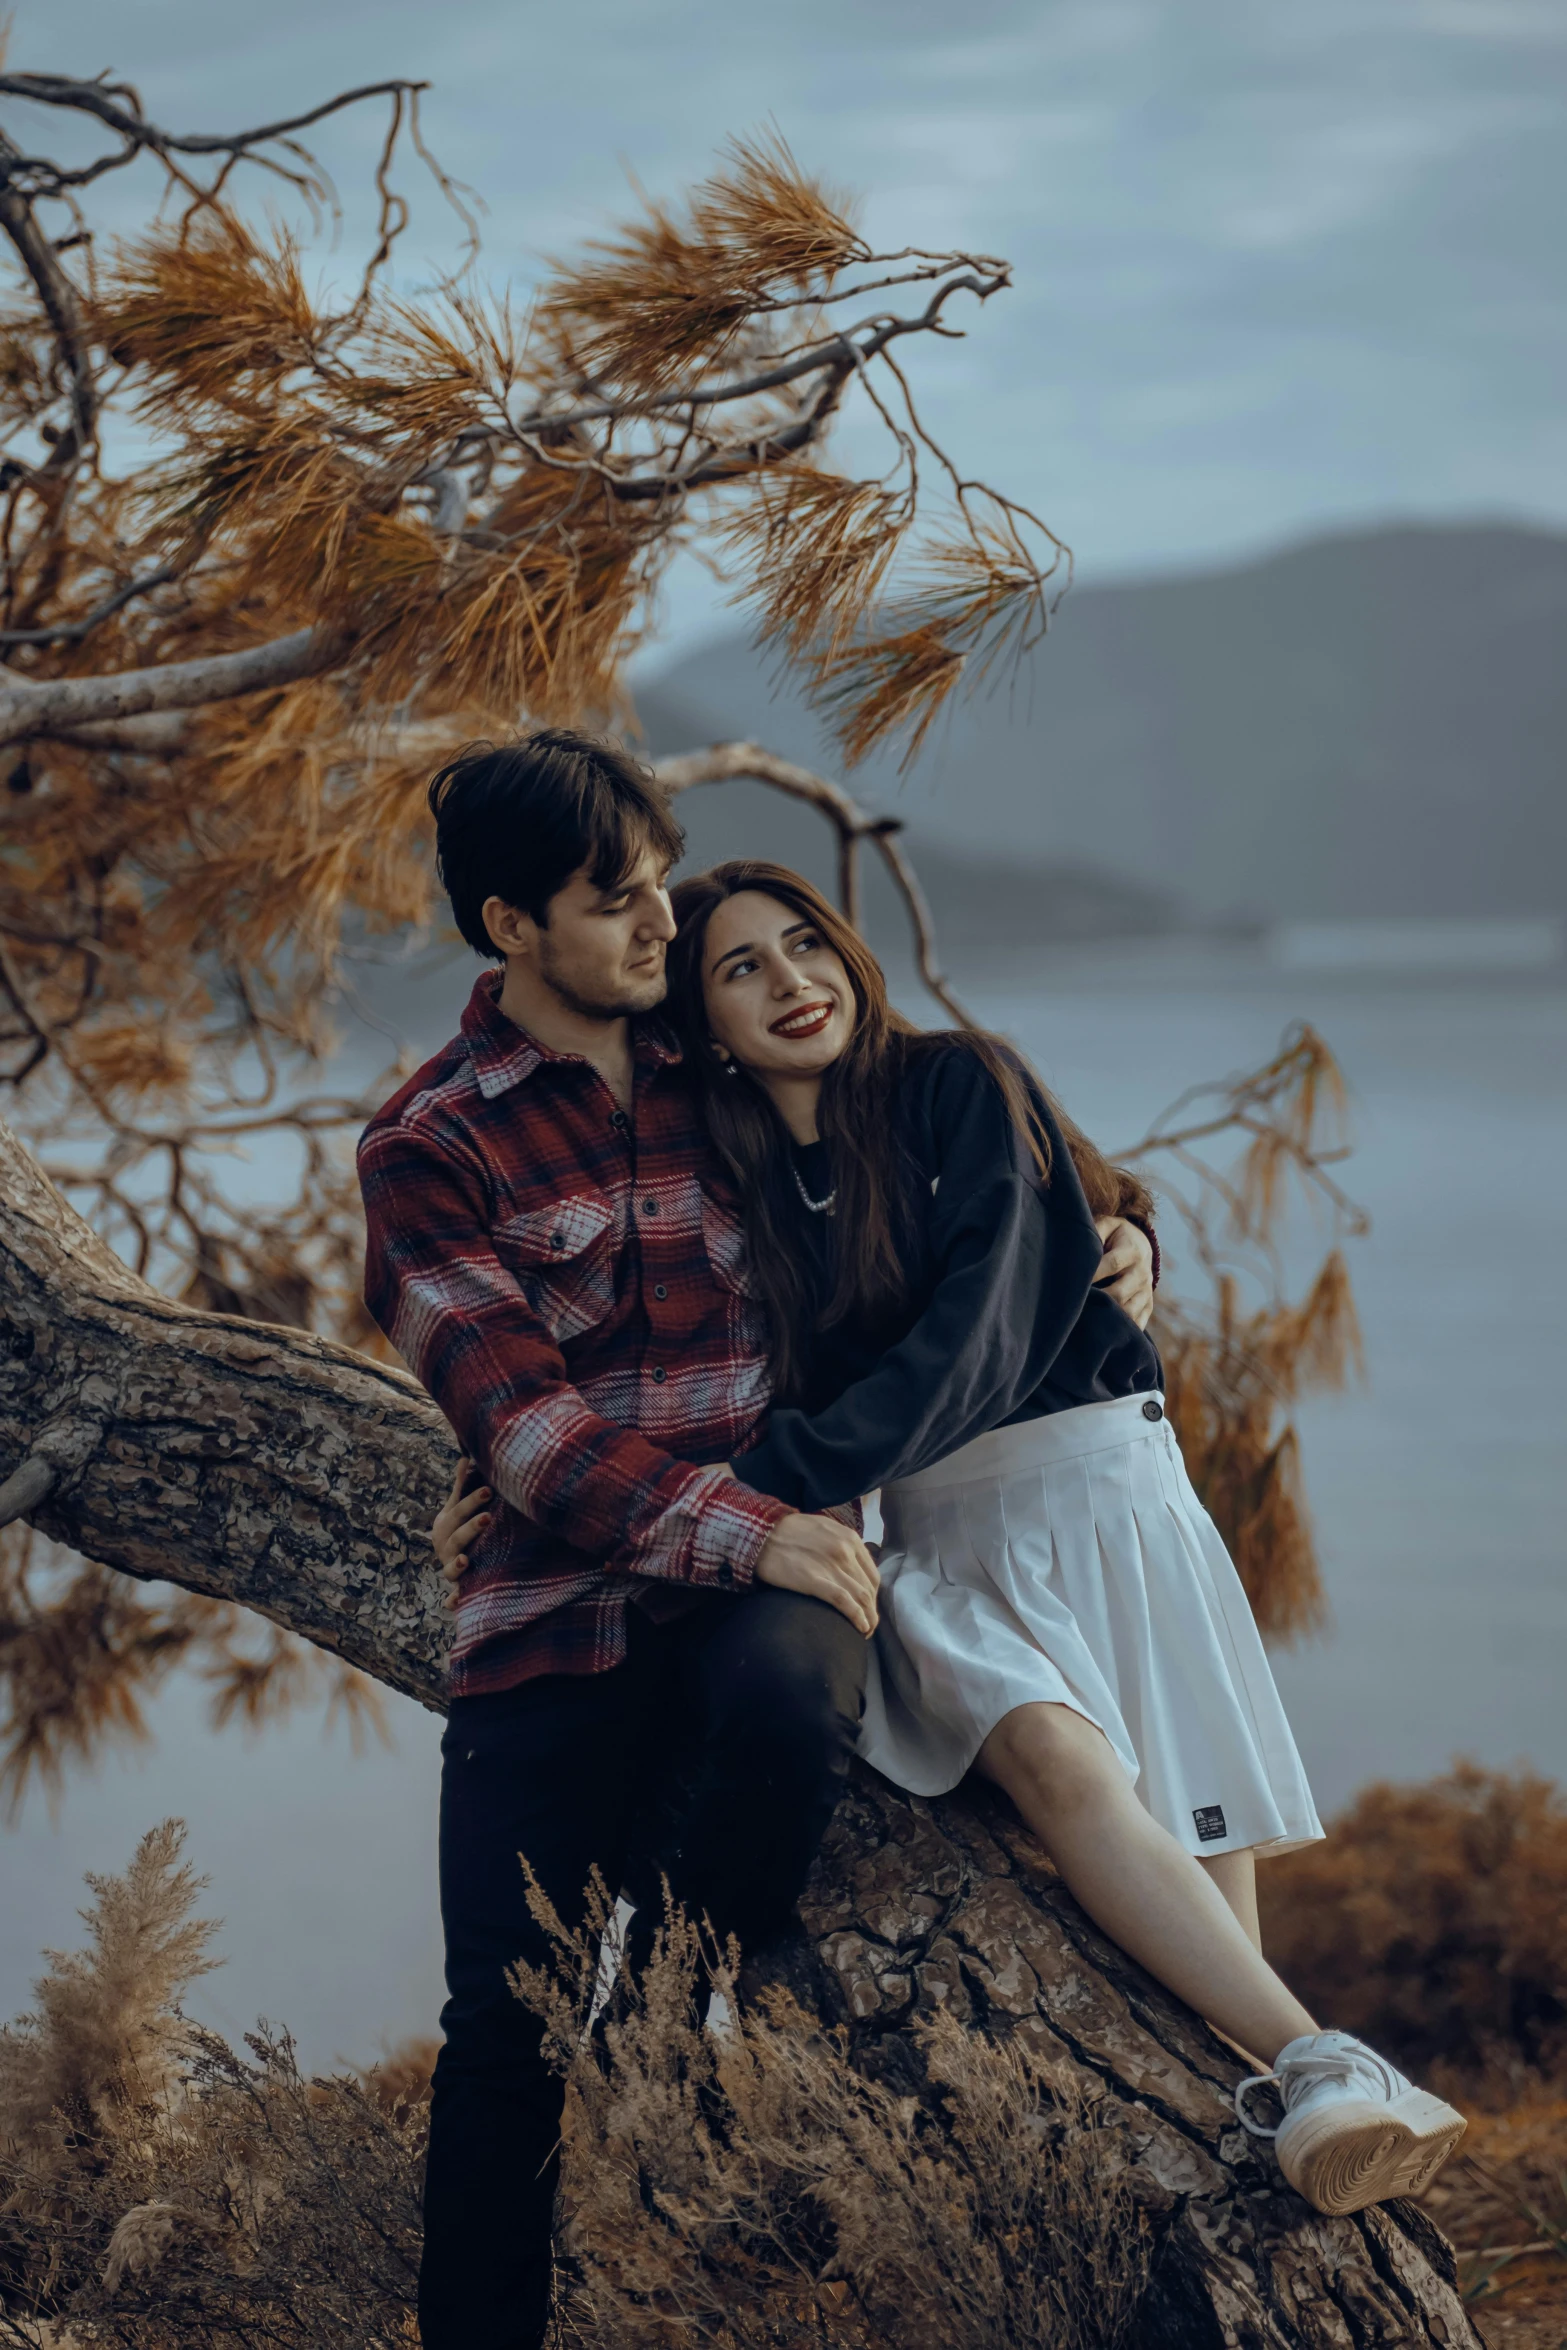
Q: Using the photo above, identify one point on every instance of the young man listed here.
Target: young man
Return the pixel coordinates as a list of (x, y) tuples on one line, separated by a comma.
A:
[(655, 1669)]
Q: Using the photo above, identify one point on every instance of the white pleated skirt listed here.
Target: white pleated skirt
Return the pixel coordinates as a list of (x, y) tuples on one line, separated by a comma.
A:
[(1068, 1561)]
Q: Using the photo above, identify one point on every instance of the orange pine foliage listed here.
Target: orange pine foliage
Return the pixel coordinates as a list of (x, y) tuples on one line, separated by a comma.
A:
[(666, 295), (454, 527)]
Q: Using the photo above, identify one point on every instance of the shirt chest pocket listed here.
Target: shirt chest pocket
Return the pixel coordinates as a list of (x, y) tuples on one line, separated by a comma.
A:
[(724, 1241), (562, 1258)]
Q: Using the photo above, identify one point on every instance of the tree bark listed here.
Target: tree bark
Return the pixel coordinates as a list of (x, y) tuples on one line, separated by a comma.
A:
[(272, 1468)]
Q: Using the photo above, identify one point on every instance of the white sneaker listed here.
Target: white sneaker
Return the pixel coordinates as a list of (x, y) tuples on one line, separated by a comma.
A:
[(1354, 2131)]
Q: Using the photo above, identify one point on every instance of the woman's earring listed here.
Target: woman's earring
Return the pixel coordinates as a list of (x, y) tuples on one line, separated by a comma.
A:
[(731, 1067)]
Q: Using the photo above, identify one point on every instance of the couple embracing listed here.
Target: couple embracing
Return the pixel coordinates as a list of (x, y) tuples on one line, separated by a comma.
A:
[(696, 1242)]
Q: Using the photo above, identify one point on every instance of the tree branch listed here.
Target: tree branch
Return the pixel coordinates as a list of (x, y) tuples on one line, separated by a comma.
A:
[(250, 1463), (836, 350), (72, 632), (62, 306), (25, 1489), (58, 704), (733, 762), (156, 735), (48, 89)]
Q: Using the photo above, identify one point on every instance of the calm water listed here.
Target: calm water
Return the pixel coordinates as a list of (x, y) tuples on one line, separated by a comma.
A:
[(1438, 1492), (1438, 1489)]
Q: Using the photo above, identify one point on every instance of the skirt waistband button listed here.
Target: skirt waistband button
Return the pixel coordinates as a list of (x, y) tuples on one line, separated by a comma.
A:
[(1152, 1410)]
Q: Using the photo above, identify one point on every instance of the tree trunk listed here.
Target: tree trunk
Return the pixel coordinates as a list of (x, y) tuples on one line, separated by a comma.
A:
[(268, 1467)]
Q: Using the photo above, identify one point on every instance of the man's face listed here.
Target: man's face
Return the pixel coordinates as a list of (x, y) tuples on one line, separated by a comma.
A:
[(602, 951)]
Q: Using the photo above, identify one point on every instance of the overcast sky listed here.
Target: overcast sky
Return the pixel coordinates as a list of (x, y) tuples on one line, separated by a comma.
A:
[(1278, 266)]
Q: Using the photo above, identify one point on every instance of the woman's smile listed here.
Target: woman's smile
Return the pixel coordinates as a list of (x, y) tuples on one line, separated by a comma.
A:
[(803, 1020)]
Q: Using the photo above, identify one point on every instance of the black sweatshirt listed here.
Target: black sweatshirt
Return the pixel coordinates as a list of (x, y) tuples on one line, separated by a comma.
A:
[(1004, 1323)]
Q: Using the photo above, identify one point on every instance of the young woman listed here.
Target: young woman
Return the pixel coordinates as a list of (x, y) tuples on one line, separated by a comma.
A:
[(1057, 1608)]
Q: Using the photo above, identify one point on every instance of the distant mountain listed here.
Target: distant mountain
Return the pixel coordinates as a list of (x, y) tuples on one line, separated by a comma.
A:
[(1372, 723)]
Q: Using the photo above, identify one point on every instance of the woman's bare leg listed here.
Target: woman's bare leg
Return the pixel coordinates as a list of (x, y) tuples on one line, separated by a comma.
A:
[(1235, 1874), (1133, 1878)]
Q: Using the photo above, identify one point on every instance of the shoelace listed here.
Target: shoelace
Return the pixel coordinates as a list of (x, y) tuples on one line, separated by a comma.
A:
[(1304, 2073), (1255, 2081)]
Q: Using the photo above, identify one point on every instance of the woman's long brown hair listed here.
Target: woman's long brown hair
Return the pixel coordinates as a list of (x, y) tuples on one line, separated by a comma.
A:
[(856, 1119)]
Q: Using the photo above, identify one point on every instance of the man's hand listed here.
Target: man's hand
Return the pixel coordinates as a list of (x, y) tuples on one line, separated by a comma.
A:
[(1127, 1271), (461, 1519), (826, 1560)]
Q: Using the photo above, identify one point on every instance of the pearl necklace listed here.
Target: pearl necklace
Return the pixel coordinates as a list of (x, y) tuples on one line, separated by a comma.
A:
[(818, 1207)]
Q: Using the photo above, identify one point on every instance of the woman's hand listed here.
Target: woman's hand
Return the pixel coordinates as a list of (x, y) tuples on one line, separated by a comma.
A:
[(461, 1519), (825, 1559), (1127, 1271)]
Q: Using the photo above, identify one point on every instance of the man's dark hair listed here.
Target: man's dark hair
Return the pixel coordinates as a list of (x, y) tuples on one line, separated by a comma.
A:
[(517, 820)]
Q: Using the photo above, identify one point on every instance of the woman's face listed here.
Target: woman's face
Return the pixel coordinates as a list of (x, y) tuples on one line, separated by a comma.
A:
[(778, 998)]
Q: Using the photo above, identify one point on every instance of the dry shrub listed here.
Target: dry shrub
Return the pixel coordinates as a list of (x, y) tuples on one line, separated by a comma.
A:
[(1433, 1922), (82, 1650), (1240, 1354), (160, 2191), (1225, 1379), (750, 2187)]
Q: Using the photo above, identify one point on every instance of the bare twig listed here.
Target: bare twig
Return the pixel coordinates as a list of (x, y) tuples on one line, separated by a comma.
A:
[(732, 762), (25, 1488), (72, 632), (120, 108), (62, 306)]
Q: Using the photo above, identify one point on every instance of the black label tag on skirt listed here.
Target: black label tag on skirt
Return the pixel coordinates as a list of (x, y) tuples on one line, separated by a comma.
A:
[(1210, 1823)]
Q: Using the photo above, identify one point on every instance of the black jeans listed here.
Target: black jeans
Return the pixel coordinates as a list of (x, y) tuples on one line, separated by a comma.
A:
[(715, 1753)]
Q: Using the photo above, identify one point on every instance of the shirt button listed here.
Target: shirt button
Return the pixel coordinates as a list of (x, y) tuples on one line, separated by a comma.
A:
[(1152, 1410), (650, 1207), (557, 1240), (658, 1374), (619, 1118), (726, 1573), (659, 1290)]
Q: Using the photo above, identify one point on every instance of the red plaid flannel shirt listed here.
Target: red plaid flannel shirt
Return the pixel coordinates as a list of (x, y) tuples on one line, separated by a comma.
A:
[(569, 1286)]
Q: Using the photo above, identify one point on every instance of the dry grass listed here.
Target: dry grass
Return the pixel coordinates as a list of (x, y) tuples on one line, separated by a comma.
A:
[(753, 2190), (159, 2191)]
